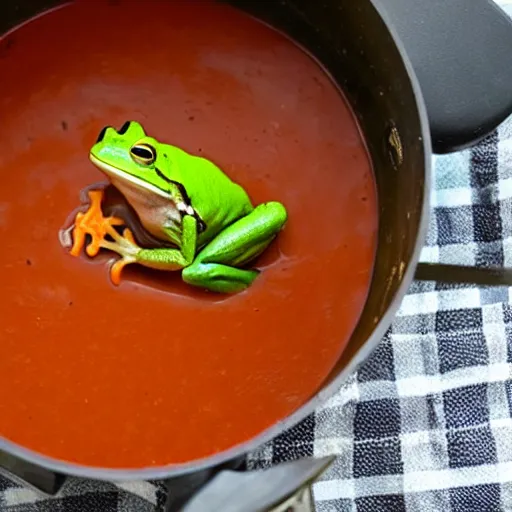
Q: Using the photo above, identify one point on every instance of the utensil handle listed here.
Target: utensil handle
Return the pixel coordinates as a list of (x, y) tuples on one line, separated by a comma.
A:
[(461, 53), (488, 276)]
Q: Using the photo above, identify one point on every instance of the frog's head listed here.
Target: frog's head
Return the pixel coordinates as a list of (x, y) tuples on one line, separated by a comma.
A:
[(131, 159)]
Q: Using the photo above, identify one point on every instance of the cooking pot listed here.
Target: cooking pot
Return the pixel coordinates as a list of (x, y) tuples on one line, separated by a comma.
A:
[(421, 77)]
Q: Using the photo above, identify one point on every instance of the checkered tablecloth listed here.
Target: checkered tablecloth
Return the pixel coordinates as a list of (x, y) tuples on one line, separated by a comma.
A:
[(425, 425)]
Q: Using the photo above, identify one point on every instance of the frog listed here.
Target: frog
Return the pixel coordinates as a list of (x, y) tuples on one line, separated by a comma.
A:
[(209, 228)]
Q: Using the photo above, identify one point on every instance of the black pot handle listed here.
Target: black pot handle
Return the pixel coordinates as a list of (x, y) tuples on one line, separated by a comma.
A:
[(461, 52), (41, 480)]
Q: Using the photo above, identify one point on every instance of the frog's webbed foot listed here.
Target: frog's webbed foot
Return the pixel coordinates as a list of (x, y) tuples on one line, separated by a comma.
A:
[(124, 245), (92, 223), (103, 235)]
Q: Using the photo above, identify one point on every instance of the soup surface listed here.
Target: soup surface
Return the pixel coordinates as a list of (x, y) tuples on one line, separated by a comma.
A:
[(154, 372)]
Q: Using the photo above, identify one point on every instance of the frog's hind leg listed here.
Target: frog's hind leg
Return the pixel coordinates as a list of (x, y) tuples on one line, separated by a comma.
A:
[(216, 266)]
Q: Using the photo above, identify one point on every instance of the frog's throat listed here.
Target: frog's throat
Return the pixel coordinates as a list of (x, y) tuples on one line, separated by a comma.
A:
[(110, 170)]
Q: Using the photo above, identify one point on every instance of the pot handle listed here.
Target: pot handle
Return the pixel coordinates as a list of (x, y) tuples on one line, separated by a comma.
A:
[(280, 488), (26, 474), (461, 54)]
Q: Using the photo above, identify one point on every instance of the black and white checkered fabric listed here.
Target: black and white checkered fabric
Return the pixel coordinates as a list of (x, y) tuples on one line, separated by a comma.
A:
[(425, 425)]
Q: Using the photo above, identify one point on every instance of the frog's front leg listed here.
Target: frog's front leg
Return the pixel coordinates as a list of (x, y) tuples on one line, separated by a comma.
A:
[(216, 266), (160, 258)]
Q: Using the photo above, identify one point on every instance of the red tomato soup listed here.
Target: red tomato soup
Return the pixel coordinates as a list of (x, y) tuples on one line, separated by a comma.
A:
[(155, 372)]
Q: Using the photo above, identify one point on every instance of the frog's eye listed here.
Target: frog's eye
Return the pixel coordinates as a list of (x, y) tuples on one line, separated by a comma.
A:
[(143, 154)]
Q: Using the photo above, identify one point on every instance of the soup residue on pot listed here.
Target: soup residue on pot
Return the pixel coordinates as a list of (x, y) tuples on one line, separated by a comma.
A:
[(154, 372)]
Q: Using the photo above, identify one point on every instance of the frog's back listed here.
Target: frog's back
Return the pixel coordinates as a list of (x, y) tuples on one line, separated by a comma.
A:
[(216, 198)]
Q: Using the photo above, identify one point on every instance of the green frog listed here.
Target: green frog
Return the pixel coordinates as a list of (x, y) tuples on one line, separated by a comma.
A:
[(214, 229)]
